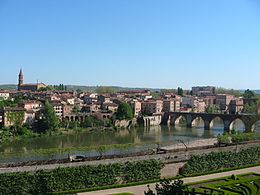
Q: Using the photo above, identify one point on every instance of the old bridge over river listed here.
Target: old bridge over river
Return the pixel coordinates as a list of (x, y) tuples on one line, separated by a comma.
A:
[(249, 120)]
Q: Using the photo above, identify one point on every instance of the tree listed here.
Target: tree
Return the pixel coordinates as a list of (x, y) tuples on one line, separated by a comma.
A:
[(249, 94), (124, 111), (76, 109), (167, 187), (180, 91), (211, 109), (49, 121), (250, 108), (105, 90)]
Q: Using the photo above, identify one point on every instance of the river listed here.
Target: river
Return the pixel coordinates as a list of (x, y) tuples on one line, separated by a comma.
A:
[(142, 138)]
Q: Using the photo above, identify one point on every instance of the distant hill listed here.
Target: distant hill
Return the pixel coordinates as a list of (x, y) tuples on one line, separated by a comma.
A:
[(80, 87), (8, 87)]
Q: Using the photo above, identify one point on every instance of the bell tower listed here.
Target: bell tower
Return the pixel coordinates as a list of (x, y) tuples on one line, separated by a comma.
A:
[(20, 79)]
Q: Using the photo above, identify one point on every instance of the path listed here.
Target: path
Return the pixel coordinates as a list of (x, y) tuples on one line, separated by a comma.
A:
[(139, 190)]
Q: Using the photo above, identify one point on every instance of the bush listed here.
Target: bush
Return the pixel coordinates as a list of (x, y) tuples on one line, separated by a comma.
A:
[(221, 160), (73, 178)]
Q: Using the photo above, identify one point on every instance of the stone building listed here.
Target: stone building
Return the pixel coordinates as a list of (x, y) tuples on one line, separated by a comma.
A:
[(28, 87), (4, 95), (223, 101), (236, 106), (203, 91), (152, 107), (171, 105), (13, 115), (136, 107)]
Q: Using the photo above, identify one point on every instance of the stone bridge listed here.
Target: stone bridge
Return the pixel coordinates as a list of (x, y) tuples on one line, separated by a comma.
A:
[(81, 117), (249, 120)]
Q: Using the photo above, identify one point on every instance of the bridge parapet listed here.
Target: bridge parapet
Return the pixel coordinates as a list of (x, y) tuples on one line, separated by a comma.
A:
[(248, 119)]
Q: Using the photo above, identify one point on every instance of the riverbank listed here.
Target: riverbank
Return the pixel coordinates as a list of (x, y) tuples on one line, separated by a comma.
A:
[(175, 157)]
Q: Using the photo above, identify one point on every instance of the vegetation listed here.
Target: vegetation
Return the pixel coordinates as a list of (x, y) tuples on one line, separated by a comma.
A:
[(180, 91), (49, 121), (234, 92), (243, 184), (221, 160), (105, 90), (167, 187), (211, 109), (73, 178), (249, 94), (124, 111), (237, 138)]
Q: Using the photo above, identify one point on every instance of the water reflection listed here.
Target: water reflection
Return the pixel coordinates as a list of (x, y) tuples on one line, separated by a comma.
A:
[(144, 136)]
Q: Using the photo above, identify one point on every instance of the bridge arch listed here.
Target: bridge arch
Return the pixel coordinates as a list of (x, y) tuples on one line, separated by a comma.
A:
[(181, 120), (237, 125), (216, 123), (198, 122), (256, 126)]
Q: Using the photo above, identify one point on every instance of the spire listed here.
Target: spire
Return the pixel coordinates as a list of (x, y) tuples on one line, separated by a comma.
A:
[(21, 71), (20, 78)]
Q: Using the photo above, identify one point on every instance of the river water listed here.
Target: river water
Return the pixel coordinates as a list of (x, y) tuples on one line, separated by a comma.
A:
[(142, 137)]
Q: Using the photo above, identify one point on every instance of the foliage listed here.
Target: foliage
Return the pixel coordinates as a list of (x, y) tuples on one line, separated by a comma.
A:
[(7, 103), (49, 121), (76, 109), (249, 94), (105, 90), (167, 187), (180, 91), (234, 92), (243, 184), (72, 178), (238, 137), (250, 108), (220, 160), (124, 111), (211, 109)]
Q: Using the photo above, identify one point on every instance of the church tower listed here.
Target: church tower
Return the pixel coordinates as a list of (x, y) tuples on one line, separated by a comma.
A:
[(20, 80)]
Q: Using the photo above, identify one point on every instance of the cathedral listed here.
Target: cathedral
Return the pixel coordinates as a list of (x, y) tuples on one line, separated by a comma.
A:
[(28, 87)]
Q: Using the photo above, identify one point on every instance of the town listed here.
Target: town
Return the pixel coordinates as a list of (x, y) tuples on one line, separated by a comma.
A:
[(73, 106)]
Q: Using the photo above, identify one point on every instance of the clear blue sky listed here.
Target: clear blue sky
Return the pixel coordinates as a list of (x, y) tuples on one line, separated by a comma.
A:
[(134, 43)]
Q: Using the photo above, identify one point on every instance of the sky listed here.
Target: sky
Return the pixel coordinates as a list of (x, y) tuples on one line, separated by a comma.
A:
[(131, 43)]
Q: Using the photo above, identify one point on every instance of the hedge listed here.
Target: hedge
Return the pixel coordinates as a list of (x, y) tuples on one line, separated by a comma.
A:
[(221, 160), (83, 177)]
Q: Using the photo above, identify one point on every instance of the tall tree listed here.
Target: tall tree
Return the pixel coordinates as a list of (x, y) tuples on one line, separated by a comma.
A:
[(124, 111), (249, 94), (180, 91), (50, 121)]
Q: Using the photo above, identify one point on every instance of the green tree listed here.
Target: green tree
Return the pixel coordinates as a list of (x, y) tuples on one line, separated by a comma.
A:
[(105, 90), (167, 187), (50, 121), (180, 91), (76, 109), (124, 111), (211, 109), (250, 108), (249, 94)]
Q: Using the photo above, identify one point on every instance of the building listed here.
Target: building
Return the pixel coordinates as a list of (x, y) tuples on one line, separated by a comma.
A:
[(203, 91), (136, 107), (58, 108), (171, 105), (13, 116), (4, 95), (110, 107), (31, 105), (152, 107), (223, 101), (28, 87), (236, 106)]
